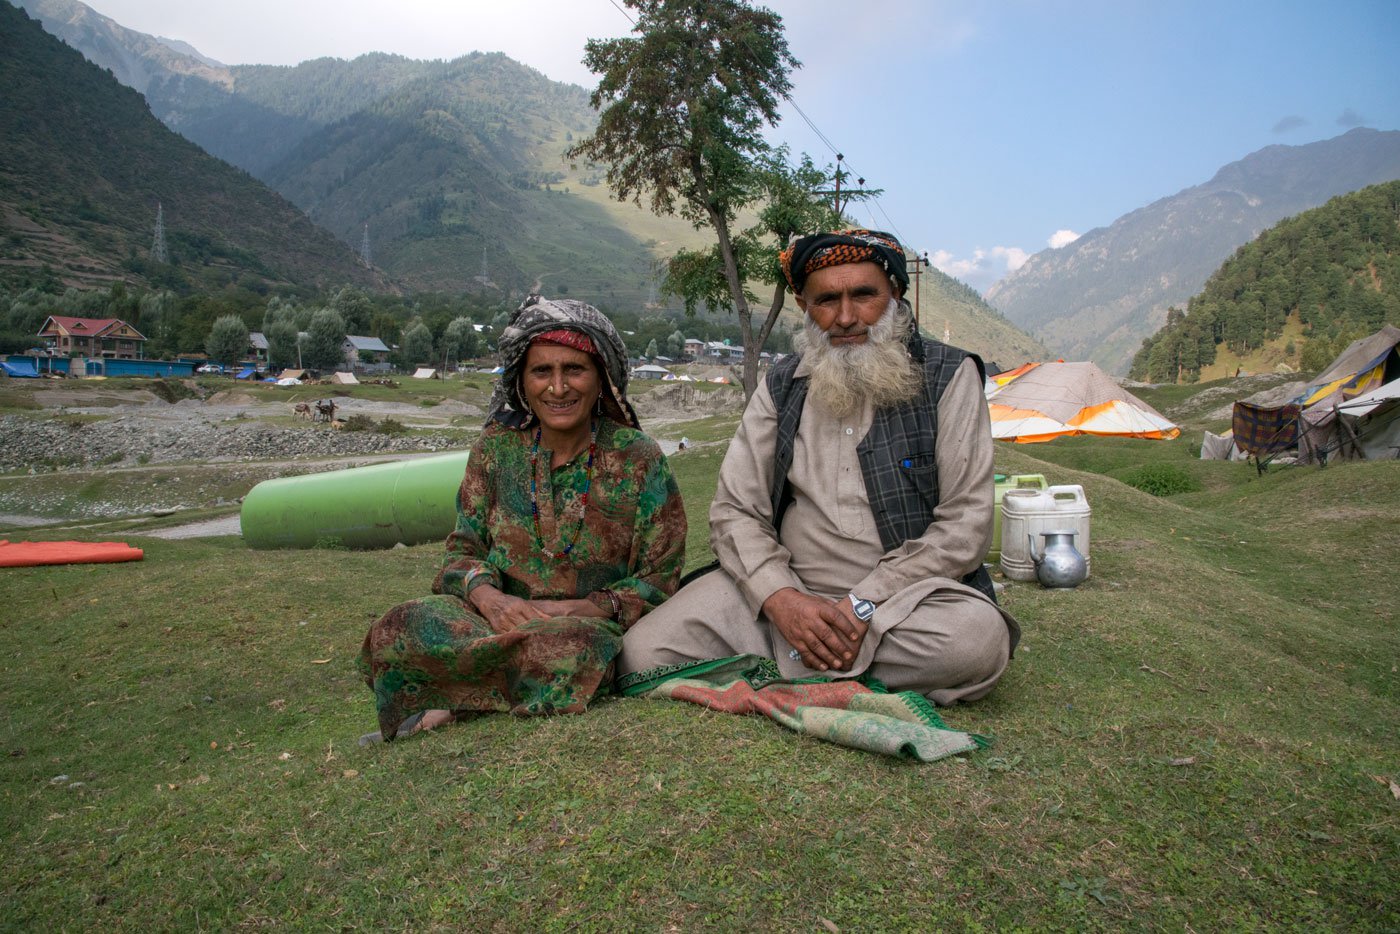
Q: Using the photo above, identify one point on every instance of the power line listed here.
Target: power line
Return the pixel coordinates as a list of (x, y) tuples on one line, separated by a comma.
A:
[(623, 12)]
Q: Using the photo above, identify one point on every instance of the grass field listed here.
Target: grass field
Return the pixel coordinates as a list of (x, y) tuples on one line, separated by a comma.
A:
[(1204, 736)]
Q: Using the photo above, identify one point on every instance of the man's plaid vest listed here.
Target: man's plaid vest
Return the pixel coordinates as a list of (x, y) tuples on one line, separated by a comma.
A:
[(897, 456)]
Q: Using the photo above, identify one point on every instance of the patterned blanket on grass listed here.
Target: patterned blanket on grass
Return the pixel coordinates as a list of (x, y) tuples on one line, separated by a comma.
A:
[(861, 714)]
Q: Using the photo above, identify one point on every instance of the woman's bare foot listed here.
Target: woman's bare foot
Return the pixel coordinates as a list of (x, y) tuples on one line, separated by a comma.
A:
[(423, 720), (432, 719)]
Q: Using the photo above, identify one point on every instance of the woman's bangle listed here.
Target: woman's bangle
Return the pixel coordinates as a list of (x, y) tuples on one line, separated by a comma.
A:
[(613, 602)]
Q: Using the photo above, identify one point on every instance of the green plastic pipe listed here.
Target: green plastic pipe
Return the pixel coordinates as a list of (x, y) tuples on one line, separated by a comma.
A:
[(410, 501)]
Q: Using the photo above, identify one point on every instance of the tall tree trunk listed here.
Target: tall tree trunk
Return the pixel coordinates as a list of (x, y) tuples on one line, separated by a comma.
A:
[(741, 302)]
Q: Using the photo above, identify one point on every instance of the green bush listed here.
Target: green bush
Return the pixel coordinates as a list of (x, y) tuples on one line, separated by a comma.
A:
[(1160, 479), (391, 427), (358, 423)]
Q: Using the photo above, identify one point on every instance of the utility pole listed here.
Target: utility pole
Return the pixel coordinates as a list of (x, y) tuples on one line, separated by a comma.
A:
[(837, 204), (919, 263), (158, 250)]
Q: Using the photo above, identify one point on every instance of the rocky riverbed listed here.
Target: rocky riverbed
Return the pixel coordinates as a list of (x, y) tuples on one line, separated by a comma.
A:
[(131, 440)]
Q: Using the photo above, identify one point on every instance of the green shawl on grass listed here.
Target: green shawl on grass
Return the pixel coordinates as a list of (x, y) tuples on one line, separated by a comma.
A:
[(860, 713)]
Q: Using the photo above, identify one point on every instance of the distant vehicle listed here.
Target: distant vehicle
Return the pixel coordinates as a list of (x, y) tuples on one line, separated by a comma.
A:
[(211, 368)]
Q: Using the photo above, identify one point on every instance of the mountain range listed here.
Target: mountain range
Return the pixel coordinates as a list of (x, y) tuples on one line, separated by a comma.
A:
[(452, 172), (1100, 296)]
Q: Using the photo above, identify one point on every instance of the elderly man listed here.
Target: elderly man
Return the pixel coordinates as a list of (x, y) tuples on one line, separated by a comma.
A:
[(855, 503)]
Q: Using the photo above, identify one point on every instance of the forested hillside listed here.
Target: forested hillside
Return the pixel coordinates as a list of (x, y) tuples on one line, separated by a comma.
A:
[(84, 165), (1334, 269), (255, 115)]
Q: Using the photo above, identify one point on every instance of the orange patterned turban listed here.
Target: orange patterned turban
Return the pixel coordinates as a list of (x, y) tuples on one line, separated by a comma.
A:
[(820, 250)]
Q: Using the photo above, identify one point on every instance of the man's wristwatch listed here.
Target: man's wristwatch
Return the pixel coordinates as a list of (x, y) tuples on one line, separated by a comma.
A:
[(864, 609)]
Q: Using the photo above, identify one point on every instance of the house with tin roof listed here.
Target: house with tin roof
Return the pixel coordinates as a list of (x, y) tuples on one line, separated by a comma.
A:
[(372, 346), (93, 337)]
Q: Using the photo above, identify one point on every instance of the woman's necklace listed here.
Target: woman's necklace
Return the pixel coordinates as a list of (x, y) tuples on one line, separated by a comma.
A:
[(534, 494)]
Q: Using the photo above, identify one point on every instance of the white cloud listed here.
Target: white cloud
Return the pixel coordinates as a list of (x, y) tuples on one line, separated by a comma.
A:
[(1062, 238), (983, 267), (1013, 256)]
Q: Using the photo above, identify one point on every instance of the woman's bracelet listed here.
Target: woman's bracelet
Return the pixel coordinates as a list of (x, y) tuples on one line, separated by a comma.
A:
[(613, 601)]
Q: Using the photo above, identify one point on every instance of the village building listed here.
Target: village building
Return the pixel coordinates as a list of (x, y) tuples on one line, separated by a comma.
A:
[(650, 371), (355, 345), (257, 348), (720, 352), (92, 337)]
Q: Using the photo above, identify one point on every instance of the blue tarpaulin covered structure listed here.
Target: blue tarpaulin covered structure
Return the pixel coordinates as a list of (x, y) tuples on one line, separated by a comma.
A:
[(247, 373), (20, 366)]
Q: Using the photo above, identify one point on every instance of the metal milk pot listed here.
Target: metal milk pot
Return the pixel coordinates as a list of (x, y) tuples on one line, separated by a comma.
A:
[(1059, 564)]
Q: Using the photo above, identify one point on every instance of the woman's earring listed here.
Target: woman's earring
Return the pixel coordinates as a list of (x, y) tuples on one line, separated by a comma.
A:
[(598, 406)]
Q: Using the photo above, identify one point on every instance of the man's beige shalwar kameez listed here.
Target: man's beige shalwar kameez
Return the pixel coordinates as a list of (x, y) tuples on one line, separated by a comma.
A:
[(930, 634)]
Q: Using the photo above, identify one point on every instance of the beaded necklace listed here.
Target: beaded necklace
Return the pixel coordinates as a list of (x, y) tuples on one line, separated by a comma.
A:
[(534, 500)]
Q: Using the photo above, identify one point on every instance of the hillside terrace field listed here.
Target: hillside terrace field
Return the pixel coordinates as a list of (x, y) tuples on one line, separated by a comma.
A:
[(1203, 736)]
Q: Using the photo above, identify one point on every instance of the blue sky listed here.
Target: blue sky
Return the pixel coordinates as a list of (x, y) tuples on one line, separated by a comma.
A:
[(990, 126)]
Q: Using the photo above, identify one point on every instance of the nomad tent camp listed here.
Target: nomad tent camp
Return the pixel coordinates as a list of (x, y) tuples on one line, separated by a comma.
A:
[(1323, 419)]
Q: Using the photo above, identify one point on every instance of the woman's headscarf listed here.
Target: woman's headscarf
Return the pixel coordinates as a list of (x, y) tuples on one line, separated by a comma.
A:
[(536, 316)]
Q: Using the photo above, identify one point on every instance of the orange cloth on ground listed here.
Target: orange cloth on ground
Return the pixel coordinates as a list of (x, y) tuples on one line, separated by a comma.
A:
[(29, 554)]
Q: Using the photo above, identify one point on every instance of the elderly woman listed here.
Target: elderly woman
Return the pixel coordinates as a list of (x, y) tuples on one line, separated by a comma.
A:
[(569, 528)]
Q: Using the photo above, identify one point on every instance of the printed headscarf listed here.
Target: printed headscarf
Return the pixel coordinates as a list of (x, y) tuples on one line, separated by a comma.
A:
[(806, 255), (537, 317)]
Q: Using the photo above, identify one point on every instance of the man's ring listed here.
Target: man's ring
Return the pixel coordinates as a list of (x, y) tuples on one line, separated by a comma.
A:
[(795, 655)]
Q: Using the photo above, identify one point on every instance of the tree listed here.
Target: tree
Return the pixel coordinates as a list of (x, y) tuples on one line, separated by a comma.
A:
[(278, 309), (682, 107), (675, 345), (456, 338), (323, 348), (354, 308), (652, 351), (228, 340), (281, 344), (417, 344), (159, 314)]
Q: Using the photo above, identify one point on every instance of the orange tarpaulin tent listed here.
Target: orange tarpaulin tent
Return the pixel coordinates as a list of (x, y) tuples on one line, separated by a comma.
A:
[(1049, 400), (31, 554)]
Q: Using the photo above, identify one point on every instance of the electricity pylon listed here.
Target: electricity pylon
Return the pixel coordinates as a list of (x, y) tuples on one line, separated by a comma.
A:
[(158, 250)]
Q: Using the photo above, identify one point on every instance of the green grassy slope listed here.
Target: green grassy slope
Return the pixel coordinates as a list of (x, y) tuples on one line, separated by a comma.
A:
[(1201, 736)]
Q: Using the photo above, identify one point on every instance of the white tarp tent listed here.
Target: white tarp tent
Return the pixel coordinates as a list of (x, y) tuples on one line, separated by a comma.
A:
[(425, 372)]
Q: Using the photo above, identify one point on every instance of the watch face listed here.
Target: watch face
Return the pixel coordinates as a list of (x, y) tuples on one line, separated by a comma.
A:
[(864, 609)]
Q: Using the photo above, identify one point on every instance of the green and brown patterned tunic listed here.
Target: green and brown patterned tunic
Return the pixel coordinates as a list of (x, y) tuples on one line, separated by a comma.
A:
[(438, 653)]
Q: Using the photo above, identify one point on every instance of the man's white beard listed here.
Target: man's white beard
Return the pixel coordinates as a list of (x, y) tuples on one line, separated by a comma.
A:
[(880, 369)]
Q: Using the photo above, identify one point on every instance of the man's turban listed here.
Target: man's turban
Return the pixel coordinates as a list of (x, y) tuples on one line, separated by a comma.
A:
[(820, 250)]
